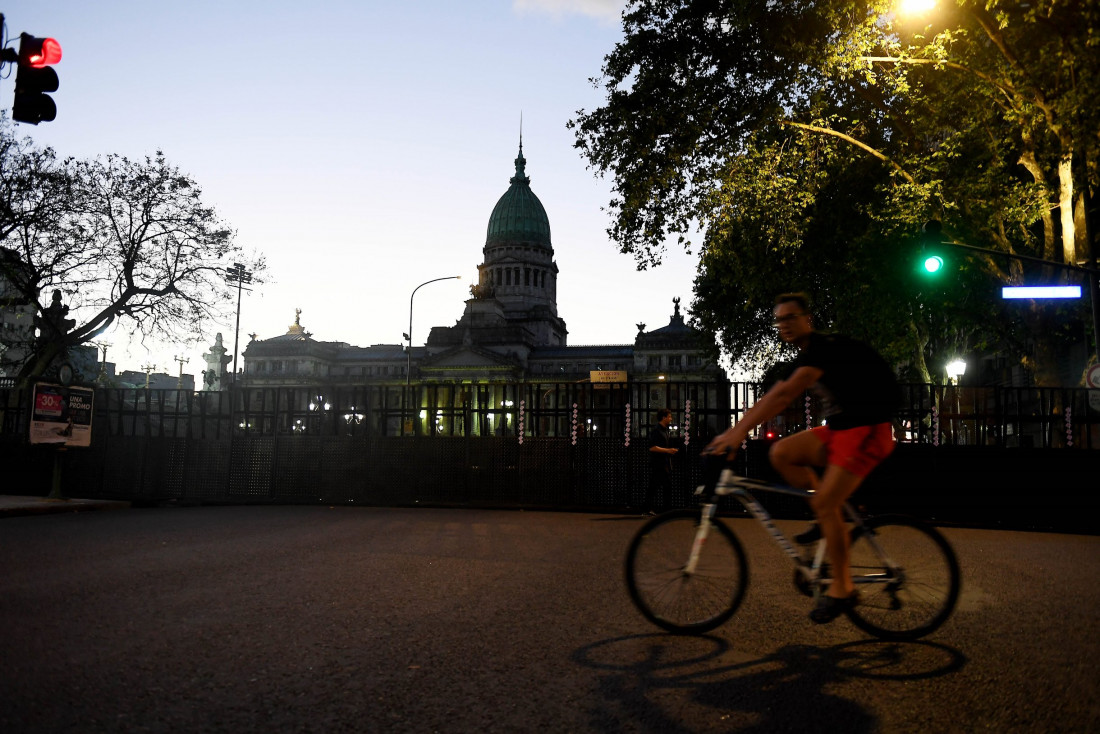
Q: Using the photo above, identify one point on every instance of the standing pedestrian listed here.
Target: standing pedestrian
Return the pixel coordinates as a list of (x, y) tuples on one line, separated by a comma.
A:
[(661, 452)]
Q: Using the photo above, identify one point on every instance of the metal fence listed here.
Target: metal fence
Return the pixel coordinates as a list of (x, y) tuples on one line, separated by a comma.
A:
[(929, 414), (981, 452)]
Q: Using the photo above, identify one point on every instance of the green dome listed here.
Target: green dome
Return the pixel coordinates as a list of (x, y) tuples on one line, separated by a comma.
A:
[(519, 215)]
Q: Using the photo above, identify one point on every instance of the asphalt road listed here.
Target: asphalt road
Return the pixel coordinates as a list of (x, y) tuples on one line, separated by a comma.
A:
[(316, 619)]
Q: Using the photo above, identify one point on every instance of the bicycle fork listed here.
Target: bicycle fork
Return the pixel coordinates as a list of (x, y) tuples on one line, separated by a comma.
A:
[(700, 538)]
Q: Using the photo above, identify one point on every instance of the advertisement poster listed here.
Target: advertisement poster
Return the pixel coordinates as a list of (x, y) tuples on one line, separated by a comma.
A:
[(62, 415)]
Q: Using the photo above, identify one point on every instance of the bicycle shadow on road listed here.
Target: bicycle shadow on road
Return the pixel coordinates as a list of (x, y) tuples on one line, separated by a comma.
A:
[(654, 681)]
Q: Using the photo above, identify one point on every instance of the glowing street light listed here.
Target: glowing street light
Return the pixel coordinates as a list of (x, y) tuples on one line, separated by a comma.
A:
[(915, 7), (955, 369)]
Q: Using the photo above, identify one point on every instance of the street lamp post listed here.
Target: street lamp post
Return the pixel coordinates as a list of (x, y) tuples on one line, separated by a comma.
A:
[(237, 274), (179, 380), (148, 368), (102, 376), (408, 334)]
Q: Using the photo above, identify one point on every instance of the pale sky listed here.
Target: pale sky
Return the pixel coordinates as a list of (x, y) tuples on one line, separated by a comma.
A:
[(360, 145)]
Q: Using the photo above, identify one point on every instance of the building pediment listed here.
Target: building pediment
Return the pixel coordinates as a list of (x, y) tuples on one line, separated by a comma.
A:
[(468, 355)]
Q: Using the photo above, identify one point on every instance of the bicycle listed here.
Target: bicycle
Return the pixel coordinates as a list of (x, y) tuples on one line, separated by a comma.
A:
[(687, 572)]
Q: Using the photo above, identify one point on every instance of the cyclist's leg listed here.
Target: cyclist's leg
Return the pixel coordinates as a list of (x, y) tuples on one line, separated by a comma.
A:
[(833, 490), (795, 457), (853, 454)]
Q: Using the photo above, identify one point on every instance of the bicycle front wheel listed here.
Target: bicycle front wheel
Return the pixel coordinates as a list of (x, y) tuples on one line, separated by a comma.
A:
[(907, 577), (663, 589)]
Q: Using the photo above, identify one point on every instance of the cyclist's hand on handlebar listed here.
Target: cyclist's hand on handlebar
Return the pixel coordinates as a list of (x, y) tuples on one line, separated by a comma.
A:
[(720, 447)]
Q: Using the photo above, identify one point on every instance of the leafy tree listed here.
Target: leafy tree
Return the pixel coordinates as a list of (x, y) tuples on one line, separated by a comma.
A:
[(123, 241), (810, 139)]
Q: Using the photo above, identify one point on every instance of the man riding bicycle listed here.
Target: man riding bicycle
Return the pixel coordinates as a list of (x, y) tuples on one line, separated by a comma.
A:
[(860, 393)]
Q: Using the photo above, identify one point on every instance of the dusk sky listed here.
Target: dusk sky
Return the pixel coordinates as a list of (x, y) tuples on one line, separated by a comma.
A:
[(360, 145)]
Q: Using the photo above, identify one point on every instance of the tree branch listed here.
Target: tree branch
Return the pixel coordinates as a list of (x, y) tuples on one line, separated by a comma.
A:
[(849, 139), (1010, 94)]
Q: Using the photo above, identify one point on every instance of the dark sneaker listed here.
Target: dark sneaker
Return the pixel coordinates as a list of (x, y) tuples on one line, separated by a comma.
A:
[(811, 534), (829, 608)]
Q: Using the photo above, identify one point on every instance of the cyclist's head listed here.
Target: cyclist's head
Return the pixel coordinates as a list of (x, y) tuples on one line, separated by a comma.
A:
[(799, 299), (793, 318)]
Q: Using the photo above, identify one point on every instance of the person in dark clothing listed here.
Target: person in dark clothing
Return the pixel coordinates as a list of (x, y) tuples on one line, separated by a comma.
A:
[(661, 452), (860, 394)]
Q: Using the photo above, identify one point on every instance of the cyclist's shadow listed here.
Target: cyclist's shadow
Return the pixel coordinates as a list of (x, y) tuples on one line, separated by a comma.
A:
[(783, 691)]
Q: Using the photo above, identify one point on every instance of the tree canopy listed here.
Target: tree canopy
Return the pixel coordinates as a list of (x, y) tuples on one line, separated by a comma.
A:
[(809, 140), (123, 242)]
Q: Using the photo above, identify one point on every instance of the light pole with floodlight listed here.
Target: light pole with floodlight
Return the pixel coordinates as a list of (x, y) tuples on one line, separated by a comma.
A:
[(237, 274)]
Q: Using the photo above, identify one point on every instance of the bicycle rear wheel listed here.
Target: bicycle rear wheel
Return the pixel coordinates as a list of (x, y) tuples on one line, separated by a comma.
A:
[(662, 589), (907, 577)]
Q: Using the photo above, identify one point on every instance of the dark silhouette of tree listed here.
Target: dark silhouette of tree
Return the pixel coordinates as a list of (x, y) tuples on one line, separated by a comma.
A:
[(127, 242)]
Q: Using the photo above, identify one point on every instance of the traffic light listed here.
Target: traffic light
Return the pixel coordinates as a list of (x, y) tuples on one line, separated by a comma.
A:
[(931, 261), (35, 79), (932, 264)]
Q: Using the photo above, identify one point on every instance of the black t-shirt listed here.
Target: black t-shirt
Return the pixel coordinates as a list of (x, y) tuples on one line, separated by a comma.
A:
[(857, 387), (658, 460)]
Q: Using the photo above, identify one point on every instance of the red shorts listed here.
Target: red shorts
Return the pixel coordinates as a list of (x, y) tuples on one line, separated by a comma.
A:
[(859, 449)]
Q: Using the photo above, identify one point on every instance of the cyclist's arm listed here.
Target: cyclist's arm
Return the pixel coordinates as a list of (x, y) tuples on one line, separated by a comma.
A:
[(772, 404)]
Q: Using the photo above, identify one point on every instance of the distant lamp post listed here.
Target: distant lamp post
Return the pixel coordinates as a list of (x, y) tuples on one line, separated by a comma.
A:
[(237, 274), (955, 369), (148, 368), (182, 361), (408, 334), (102, 376)]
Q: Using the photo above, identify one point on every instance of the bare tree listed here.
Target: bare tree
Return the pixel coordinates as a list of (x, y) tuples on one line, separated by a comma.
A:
[(127, 242)]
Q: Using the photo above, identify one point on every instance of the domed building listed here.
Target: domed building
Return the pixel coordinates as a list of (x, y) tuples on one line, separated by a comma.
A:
[(509, 331)]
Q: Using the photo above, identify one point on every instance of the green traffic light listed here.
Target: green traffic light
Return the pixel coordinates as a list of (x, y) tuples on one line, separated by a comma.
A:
[(933, 264)]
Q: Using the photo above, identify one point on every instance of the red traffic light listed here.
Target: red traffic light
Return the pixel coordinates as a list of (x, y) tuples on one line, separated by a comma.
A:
[(39, 52), (34, 80)]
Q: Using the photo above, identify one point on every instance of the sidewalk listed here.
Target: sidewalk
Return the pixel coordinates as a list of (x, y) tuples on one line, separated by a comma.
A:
[(15, 505)]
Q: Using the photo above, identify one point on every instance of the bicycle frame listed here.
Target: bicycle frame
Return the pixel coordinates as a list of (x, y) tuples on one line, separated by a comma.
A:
[(730, 484)]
